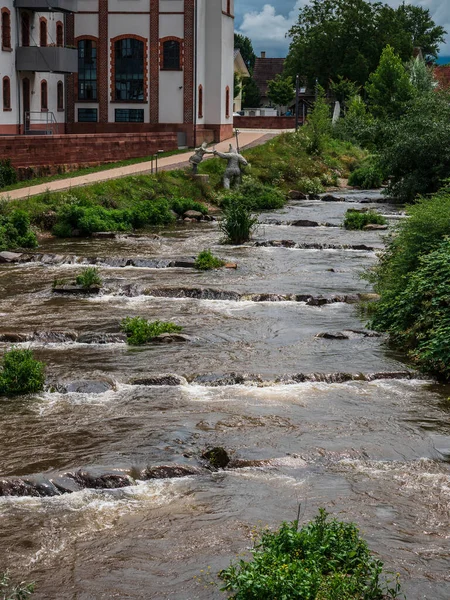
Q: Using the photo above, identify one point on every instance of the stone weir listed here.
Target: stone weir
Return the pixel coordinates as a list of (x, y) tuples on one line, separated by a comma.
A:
[(313, 246), (297, 223)]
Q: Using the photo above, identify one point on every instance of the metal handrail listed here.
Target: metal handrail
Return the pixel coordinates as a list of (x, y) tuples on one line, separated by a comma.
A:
[(46, 118)]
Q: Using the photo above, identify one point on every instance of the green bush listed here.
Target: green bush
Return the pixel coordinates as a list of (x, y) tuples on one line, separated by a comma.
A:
[(368, 176), (8, 174), (206, 261), (11, 591), (324, 560), (140, 331), (15, 231), (89, 277), (255, 195), (356, 220), (237, 224), (182, 205), (21, 373)]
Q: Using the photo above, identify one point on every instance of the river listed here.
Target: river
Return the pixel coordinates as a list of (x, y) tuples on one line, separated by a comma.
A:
[(374, 451)]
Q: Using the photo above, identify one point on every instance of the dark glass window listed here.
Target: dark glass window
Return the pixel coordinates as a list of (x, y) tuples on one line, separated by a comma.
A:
[(44, 96), (60, 95), (59, 34), (129, 70), (6, 93), (43, 33), (172, 55), (87, 115), (25, 29), (87, 70), (129, 115), (6, 30)]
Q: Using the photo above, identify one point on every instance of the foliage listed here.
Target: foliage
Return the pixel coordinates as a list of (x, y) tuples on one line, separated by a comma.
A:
[(389, 88), (21, 373), (206, 261), (15, 231), (318, 126), (344, 90), (356, 220), (11, 591), (140, 331), (255, 195), (281, 90), (416, 149), (237, 223), (251, 96), (358, 126), (346, 37), (324, 560), (182, 205), (89, 277), (244, 44), (421, 75), (8, 174), (368, 176)]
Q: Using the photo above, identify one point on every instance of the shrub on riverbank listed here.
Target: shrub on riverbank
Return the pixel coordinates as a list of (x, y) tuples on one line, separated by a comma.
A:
[(237, 224), (15, 231), (324, 560), (206, 261), (255, 195), (412, 278), (368, 176), (356, 220), (21, 373), (139, 331)]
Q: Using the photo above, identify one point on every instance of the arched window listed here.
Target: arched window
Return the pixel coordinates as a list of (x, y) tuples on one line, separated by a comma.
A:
[(227, 102), (6, 94), (171, 55), (87, 70), (6, 29), (59, 34), (200, 102), (25, 26), (129, 70), (43, 31), (60, 95), (229, 7), (44, 95)]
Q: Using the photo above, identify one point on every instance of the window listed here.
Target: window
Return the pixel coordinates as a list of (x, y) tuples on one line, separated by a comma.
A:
[(172, 55), (87, 115), (87, 70), (227, 102), (60, 95), (129, 70), (229, 7), (42, 32), (6, 94), (44, 95), (6, 29), (129, 115), (25, 26), (59, 34), (200, 101)]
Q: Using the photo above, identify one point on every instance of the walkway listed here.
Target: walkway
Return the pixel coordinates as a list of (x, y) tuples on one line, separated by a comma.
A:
[(247, 139)]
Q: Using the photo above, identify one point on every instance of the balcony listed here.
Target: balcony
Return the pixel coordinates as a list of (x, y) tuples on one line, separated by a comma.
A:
[(64, 6), (50, 59)]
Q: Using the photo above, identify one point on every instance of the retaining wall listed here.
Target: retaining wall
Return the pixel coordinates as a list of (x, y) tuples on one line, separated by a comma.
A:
[(264, 122)]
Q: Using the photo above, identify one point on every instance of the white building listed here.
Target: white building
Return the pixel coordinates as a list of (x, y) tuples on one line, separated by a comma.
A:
[(100, 66)]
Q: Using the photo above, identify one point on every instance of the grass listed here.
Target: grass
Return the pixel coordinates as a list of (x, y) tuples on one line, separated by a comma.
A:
[(355, 220), (15, 231), (85, 171), (21, 373), (237, 224), (139, 331), (324, 560), (206, 261), (11, 591), (89, 277)]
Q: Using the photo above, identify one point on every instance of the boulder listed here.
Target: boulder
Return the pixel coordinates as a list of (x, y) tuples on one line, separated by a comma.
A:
[(305, 223), (313, 197), (331, 198), (102, 338), (217, 457), (317, 301), (375, 227), (104, 235), (169, 471), (10, 257), (168, 379), (170, 338), (296, 195), (14, 338), (339, 335), (230, 265), (107, 481), (193, 214), (75, 290), (86, 386)]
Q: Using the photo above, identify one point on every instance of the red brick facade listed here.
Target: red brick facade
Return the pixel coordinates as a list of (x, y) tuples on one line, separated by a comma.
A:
[(189, 31)]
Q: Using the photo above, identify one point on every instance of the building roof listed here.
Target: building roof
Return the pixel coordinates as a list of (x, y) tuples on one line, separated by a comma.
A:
[(239, 64), (265, 70), (442, 75)]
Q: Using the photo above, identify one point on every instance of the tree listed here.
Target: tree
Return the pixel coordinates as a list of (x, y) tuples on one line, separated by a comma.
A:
[(251, 96), (424, 32), (344, 90), (244, 44), (281, 90), (421, 75), (389, 88), (318, 125)]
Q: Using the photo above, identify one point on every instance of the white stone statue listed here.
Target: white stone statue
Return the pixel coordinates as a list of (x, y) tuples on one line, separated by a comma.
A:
[(233, 171), (197, 158)]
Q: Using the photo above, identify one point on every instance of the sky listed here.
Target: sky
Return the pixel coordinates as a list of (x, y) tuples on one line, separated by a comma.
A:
[(266, 22)]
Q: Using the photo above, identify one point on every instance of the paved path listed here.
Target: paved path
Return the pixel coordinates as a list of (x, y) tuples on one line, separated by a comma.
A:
[(247, 138)]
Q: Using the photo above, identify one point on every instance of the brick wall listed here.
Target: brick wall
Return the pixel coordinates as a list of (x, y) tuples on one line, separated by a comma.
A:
[(265, 122), (38, 151)]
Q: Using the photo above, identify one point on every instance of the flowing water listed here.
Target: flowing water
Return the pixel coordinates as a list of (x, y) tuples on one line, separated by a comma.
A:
[(374, 451)]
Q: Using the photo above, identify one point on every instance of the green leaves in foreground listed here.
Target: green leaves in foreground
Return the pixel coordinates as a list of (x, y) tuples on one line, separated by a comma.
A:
[(140, 331), (324, 560), (206, 261), (10, 591), (21, 373)]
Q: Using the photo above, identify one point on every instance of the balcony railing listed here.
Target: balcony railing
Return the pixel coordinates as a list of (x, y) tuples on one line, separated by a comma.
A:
[(48, 5), (47, 59)]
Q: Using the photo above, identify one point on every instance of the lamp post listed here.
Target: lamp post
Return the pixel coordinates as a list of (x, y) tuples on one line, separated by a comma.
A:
[(237, 140), (297, 92)]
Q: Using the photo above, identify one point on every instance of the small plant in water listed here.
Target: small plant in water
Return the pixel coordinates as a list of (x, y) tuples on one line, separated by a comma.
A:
[(21, 373), (140, 331), (324, 560), (237, 224), (10, 591), (357, 220), (89, 277), (206, 261)]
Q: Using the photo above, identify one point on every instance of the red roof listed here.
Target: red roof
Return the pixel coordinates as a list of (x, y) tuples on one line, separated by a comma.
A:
[(265, 70), (442, 75)]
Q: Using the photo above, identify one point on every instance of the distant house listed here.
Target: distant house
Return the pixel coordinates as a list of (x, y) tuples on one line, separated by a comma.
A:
[(240, 69), (265, 70)]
